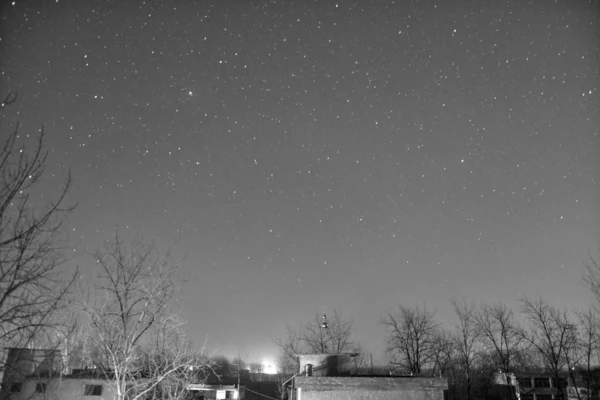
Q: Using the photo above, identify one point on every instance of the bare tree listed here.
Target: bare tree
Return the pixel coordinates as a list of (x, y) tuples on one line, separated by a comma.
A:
[(129, 314), (330, 335), (591, 277), (588, 348), (334, 337), (412, 335), (500, 333), (467, 341), (589, 322), (170, 359), (290, 345), (552, 333), (363, 359), (444, 350), (486, 377), (223, 368), (34, 280)]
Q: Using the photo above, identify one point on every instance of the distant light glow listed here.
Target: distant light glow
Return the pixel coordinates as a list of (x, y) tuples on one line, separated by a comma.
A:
[(269, 367)]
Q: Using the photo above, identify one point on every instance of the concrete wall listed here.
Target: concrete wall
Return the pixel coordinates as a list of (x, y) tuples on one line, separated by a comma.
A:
[(382, 388), (62, 389), (363, 395)]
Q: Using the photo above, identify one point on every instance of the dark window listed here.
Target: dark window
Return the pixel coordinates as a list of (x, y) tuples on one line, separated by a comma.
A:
[(15, 387), (563, 383), (527, 397), (92, 390), (544, 396), (40, 388), (229, 394), (524, 382), (541, 382)]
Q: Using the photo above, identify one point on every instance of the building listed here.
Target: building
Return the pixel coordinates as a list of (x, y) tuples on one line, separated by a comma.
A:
[(332, 377), (372, 387), (538, 386), (247, 385), (40, 374), (544, 386), (213, 391), (63, 388)]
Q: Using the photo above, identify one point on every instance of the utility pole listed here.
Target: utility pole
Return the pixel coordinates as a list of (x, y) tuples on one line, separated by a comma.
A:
[(238, 374)]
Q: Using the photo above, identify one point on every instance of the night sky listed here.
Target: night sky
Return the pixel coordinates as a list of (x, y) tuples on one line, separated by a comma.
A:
[(302, 156)]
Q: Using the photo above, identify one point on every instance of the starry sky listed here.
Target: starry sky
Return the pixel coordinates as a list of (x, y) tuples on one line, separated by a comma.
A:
[(302, 156)]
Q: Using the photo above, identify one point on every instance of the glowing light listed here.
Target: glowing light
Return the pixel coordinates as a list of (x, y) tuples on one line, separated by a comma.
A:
[(269, 367)]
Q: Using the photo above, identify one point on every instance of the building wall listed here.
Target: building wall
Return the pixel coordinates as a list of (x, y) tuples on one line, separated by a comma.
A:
[(539, 387), (214, 394), (483, 392), (383, 388), (358, 395), (370, 394), (22, 363), (62, 389), (216, 391)]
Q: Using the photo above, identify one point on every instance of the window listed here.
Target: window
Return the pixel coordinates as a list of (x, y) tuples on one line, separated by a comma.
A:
[(524, 382), (92, 390), (562, 382), (544, 396), (527, 396), (15, 387), (541, 382), (226, 394), (40, 388)]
